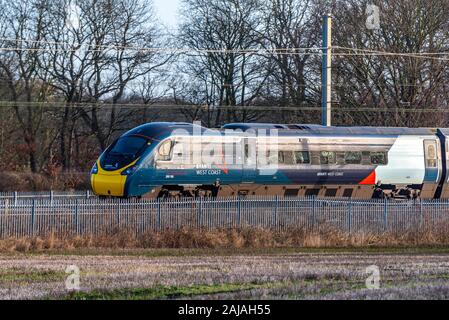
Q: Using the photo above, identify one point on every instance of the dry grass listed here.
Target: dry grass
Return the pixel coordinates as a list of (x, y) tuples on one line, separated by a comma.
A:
[(229, 238)]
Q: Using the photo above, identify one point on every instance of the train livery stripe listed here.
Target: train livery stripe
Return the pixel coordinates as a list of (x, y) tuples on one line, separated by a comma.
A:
[(370, 179)]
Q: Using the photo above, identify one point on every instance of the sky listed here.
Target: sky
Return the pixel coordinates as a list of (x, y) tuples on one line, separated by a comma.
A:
[(167, 11)]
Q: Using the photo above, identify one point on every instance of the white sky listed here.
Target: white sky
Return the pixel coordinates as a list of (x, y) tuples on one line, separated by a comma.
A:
[(167, 11)]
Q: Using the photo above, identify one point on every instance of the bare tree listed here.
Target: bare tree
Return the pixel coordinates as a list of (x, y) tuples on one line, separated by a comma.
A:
[(23, 28), (98, 62), (398, 81), (293, 24), (218, 32)]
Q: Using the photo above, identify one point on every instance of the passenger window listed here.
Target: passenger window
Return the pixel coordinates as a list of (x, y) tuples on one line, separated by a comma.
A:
[(353, 157), (231, 153), (165, 150), (286, 157), (366, 158), (281, 156), (327, 157), (271, 157), (302, 157), (378, 158)]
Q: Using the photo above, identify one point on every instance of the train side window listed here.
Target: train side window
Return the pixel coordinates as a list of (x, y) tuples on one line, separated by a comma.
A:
[(230, 154), (378, 158), (165, 150), (352, 157), (302, 157), (328, 157), (271, 158), (340, 157), (286, 157)]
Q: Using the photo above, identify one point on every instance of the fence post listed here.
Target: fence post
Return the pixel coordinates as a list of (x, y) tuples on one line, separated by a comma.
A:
[(1, 218), (158, 218), (118, 214), (421, 214), (76, 217), (87, 194), (200, 210), (15, 198), (313, 212), (275, 213), (51, 197), (33, 212), (238, 211), (349, 215), (385, 214)]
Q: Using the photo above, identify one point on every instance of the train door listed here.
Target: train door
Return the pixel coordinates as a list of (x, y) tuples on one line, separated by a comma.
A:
[(431, 161), (249, 157), (432, 165)]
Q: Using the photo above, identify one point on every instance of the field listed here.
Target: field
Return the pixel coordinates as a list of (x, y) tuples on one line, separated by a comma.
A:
[(244, 273)]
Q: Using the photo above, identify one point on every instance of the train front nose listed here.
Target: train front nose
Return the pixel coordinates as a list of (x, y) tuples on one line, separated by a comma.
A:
[(107, 183)]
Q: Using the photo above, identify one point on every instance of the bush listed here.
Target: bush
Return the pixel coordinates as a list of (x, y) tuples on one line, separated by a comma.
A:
[(12, 181), (28, 181)]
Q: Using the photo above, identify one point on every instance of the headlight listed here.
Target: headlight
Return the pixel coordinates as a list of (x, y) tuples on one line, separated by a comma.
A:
[(129, 171), (94, 169)]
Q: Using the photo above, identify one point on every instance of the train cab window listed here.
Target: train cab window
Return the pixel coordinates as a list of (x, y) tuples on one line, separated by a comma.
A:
[(286, 157), (128, 145), (328, 157), (353, 157), (165, 150), (123, 151), (302, 157), (378, 158)]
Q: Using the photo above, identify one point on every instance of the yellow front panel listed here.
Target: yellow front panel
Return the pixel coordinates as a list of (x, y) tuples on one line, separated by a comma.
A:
[(109, 183)]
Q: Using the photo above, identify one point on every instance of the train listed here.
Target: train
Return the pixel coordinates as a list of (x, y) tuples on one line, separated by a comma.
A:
[(177, 159)]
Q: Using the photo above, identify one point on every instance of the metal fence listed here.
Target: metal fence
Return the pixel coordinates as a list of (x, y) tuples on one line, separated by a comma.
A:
[(27, 217), (16, 195)]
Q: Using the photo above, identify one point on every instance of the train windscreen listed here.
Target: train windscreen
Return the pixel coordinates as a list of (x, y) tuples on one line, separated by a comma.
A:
[(123, 151)]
